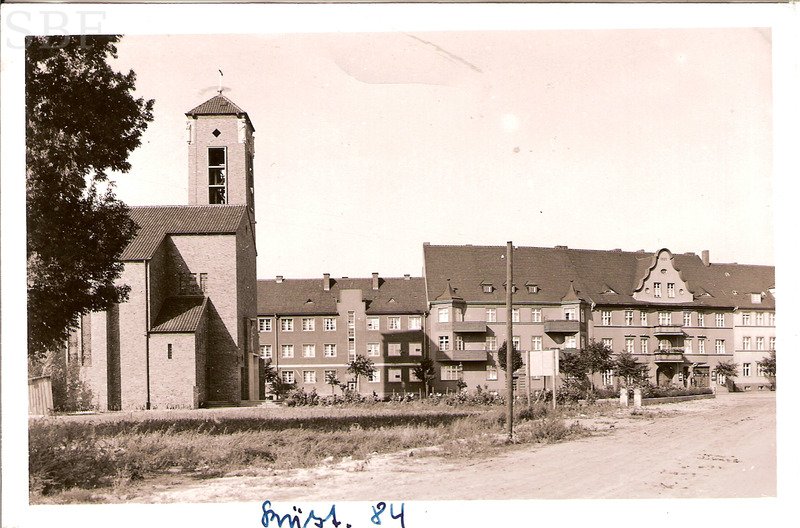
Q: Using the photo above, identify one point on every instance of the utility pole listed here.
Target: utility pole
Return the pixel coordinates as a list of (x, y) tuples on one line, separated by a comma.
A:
[(509, 343)]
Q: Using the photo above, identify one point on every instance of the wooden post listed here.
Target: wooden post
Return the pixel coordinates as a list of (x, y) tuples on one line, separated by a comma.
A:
[(528, 377), (555, 374), (509, 343)]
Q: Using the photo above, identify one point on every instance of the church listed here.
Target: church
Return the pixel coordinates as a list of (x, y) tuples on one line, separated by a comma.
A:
[(187, 335)]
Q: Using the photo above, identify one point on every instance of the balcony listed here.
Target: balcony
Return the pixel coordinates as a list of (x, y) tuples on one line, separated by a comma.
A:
[(668, 330), (472, 327), (668, 356), (462, 355), (562, 326)]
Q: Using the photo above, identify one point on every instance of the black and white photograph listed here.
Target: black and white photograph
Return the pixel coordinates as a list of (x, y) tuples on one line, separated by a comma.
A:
[(397, 265)]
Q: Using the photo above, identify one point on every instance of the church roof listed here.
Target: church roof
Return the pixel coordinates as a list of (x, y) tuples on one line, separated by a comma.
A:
[(156, 222), (219, 105), (308, 297), (180, 314), (605, 277)]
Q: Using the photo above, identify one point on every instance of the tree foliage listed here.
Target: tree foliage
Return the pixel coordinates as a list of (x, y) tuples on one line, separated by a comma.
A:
[(516, 355), (629, 370), (582, 364), (768, 365), (729, 369), (82, 121), (272, 377), (425, 371), (360, 366)]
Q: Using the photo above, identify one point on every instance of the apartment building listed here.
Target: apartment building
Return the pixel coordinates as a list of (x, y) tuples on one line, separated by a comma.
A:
[(310, 329), (679, 314)]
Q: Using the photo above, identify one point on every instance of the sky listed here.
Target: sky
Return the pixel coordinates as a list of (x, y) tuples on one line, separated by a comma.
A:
[(369, 144)]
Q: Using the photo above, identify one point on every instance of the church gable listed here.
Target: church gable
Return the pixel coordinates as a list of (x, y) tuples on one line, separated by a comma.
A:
[(662, 282)]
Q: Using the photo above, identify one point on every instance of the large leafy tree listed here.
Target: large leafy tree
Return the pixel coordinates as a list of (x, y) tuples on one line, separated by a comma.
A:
[(82, 121), (629, 370), (360, 366), (582, 364)]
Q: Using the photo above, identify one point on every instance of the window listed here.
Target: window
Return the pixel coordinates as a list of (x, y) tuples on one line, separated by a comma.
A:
[(746, 343), (755, 298), (719, 346), (351, 350), (491, 373), (394, 323), (287, 351), (664, 344), (701, 319), (309, 376), (491, 315), (628, 317), (415, 349), (687, 345), (373, 349), (657, 290), (606, 317), (671, 289), (759, 343), (759, 319), (459, 342), (515, 315), (308, 324), (772, 318), (643, 318), (687, 318), (569, 313), (569, 342), (329, 350), (515, 342), (491, 342), (444, 342), (772, 343), (394, 375), (329, 324), (608, 343), (330, 375), (760, 369), (533, 288), (217, 168), (746, 370), (414, 322), (720, 320), (449, 372), (745, 319), (608, 377), (701, 345), (203, 279), (444, 315), (374, 376), (629, 346), (266, 351), (287, 325), (487, 288), (664, 318), (373, 323), (536, 315), (394, 349), (169, 350), (643, 345), (264, 324), (536, 343), (287, 376), (309, 351)]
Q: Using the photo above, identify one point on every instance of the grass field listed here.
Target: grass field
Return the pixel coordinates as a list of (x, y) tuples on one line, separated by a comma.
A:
[(115, 450)]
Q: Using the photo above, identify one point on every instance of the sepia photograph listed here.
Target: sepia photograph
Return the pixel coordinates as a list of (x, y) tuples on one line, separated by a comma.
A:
[(376, 265)]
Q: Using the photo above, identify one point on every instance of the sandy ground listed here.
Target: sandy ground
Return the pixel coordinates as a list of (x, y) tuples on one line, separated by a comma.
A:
[(724, 447)]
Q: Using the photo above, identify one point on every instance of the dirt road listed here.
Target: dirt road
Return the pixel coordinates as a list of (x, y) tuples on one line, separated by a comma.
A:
[(723, 447)]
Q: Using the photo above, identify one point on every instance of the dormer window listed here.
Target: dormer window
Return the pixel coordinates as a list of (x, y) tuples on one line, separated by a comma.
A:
[(217, 175), (487, 288), (755, 298), (533, 288)]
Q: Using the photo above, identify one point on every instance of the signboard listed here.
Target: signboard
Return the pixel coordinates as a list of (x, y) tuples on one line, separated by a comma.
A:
[(542, 362)]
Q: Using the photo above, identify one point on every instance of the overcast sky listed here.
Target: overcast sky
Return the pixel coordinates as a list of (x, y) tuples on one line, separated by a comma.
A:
[(368, 145)]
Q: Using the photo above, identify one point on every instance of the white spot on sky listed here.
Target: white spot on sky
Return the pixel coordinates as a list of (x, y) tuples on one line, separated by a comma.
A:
[(510, 123)]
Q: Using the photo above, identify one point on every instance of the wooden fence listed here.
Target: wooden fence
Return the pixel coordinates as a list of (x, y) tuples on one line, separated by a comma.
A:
[(40, 396)]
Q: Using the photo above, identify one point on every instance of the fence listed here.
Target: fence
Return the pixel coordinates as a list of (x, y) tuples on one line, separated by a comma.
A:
[(40, 396)]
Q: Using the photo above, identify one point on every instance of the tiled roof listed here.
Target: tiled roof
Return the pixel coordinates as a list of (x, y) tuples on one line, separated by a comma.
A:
[(602, 277), (180, 314), (158, 221), (307, 296), (219, 105)]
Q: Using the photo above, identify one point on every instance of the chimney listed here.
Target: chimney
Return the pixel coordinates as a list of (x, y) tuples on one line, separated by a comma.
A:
[(326, 281), (705, 257), (406, 277), (374, 281), (279, 278)]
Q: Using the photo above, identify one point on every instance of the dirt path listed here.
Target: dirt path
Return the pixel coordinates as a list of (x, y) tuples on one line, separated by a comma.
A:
[(723, 447)]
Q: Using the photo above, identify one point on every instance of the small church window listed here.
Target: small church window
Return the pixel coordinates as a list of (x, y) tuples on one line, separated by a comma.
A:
[(217, 168)]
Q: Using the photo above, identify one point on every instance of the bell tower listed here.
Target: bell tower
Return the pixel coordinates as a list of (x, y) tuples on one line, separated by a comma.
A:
[(221, 151)]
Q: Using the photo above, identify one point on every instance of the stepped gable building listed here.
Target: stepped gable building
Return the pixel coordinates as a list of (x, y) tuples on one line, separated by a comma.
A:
[(677, 313), (187, 334), (311, 328)]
